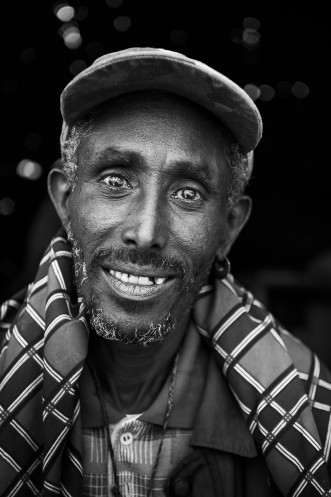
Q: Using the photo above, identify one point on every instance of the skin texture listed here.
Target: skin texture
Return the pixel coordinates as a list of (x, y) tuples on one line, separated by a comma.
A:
[(150, 200)]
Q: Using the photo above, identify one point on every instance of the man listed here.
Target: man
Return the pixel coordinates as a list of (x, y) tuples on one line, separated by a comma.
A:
[(135, 364)]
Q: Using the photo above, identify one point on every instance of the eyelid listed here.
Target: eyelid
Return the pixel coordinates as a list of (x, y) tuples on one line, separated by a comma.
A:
[(116, 168), (191, 181), (190, 185)]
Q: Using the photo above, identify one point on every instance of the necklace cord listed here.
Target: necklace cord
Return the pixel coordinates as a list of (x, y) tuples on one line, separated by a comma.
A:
[(166, 417), (116, 488)]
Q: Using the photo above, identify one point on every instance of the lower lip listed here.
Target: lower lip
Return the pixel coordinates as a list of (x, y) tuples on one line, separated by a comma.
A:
[(137, 292)]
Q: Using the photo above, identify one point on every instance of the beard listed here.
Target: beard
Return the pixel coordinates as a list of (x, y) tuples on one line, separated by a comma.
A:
[(141, 334)]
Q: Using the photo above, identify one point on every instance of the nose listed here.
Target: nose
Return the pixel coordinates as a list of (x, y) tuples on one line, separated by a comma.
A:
[(145, 226)]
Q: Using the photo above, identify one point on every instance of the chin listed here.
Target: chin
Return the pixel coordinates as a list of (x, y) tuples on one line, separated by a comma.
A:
[(142, 336)]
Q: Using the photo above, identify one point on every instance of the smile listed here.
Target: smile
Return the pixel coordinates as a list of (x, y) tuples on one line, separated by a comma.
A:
[(137, 280), (134, 287)]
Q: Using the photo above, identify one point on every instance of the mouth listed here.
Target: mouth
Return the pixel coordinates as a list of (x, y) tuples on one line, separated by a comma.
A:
[(143, 286), (137, 280)]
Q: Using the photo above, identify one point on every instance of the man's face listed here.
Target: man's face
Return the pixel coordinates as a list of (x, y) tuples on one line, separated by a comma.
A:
[(147, 214)]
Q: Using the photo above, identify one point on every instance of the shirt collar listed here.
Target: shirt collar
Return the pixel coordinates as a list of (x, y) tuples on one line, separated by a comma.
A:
[(203, 402)]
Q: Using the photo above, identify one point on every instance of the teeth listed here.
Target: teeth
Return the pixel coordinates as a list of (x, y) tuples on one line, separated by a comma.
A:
[(143, 280), (137, 280), (133, 279)]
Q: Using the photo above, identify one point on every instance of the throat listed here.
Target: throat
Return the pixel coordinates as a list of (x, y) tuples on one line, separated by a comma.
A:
[(131, 376), (134, 396)]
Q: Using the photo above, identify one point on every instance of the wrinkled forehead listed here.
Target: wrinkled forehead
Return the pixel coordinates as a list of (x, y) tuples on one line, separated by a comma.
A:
[(161, 125), (169, 105), (162, 104)]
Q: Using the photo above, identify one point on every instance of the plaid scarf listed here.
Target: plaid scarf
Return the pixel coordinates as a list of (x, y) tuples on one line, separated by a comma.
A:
[(281, 388)]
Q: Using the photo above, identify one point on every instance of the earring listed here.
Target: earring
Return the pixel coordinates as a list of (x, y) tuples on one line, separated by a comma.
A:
[(221, 267)]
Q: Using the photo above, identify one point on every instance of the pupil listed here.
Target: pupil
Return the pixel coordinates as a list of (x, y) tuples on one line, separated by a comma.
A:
[(116, 181), (188, 194)]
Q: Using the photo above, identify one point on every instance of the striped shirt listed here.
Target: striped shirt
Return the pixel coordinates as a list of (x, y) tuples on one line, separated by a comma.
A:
[(136, 438), (135, 445)]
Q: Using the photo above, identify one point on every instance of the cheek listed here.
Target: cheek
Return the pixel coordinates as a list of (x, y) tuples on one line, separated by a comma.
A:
[(201, 236), (94, 215), (88, 221)]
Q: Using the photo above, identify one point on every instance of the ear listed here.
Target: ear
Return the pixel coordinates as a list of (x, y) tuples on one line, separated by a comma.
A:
[(59, 193), (236, 218)]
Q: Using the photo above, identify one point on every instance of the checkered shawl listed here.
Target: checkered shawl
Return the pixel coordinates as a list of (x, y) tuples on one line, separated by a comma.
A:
[(282, 389)]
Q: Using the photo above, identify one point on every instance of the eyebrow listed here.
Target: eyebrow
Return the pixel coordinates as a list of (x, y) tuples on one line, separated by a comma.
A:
[(198, 170), (113, 154)]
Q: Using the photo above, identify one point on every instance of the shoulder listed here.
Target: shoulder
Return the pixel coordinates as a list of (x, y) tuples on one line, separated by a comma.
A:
[(313, 373)]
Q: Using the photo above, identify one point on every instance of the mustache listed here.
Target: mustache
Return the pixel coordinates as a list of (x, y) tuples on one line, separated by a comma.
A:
[(141, 259)]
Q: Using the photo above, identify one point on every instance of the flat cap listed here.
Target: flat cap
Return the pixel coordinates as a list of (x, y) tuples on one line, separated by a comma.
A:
[(138, 68)]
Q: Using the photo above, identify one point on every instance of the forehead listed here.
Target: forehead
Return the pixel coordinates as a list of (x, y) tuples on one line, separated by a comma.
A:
[(159, 104), (158, 123)]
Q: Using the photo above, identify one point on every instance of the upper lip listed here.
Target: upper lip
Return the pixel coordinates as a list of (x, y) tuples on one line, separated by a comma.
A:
[(149, 272)]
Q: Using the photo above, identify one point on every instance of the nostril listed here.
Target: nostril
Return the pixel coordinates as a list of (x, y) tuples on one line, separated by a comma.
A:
[(130, 242), (146, 234)]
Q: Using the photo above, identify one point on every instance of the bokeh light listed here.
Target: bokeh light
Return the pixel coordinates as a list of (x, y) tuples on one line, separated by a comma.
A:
[(252, 90), (7, 206), (64, 12), (29, 169), (122, 23), (251, 23), (71, 36), (267, 93), (300, 90), (251, 38)]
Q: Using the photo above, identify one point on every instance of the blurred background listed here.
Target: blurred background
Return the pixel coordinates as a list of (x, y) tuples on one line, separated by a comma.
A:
[(278, 51)]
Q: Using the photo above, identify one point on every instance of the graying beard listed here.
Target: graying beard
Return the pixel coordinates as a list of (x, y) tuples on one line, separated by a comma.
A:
[(142, 337), (79, 263), (110, 331)]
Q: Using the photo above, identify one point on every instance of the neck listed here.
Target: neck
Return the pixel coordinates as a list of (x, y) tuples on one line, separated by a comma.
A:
[(130, 375)]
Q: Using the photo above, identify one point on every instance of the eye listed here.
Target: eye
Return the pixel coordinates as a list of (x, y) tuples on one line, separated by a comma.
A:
[(116, 181), (187, 194)]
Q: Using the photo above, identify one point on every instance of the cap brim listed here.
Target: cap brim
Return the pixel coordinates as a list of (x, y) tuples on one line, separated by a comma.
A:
[(149, 68)]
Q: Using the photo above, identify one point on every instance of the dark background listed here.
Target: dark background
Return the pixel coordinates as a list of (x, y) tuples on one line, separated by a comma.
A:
[(284, 252)]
